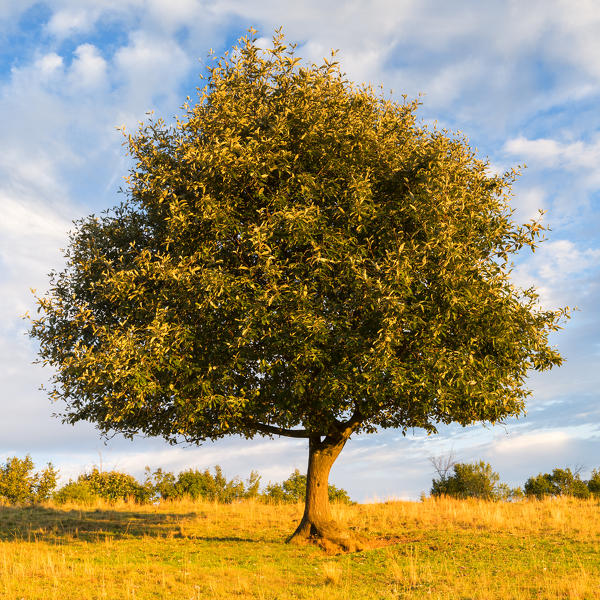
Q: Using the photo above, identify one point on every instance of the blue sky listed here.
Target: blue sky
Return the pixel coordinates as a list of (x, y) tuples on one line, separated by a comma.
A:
[(520, 80)]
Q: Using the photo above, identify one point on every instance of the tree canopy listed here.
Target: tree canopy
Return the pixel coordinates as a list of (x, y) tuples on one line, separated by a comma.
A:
[(295, 255)]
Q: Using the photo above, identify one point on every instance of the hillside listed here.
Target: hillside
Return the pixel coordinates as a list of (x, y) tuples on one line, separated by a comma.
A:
[(433, 549)]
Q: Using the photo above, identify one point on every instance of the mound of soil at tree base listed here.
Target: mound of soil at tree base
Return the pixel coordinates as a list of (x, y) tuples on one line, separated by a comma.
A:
[(356, 543)]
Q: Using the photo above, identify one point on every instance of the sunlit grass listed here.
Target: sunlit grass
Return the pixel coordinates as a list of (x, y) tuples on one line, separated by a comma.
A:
[(188, 550)]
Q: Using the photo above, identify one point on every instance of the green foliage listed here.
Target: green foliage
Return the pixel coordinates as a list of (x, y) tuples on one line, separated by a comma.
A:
[(505, 492), (158, 485), (568, 484), (339, 495), (295, 251), (19, 484), (76, 492), (539, 486), (594, 483), (106, 485), (196, 484), (113, 485), (471, 480), (293, 489), (561, 482), (201, 484), (252, 485), (162, 484)]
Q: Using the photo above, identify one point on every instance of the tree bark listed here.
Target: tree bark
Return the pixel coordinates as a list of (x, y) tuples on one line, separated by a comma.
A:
[(317, 523)]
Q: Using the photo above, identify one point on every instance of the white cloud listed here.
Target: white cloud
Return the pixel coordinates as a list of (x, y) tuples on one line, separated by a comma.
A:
[(538, 442), (548, 153), (529, 202), (545, 151), (150, 66), (450, 81), (71, 20), (74, 17), (11, 11), (27, 227), (88, 69), (49, 65), (33, 228), (576, 25), (363, 32), (561, 259), (561, 271), (565, 173), (175, 13)]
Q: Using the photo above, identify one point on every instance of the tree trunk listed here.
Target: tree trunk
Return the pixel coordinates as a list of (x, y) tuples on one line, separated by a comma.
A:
[(317, 523)]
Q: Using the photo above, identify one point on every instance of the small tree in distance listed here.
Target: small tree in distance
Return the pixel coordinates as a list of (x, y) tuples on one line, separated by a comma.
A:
[(20, 484), (295, 256), (594, 483), (561, 482), (468, 480)]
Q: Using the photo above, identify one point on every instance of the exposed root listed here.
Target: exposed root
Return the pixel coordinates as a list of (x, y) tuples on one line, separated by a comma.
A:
[(328, 536)]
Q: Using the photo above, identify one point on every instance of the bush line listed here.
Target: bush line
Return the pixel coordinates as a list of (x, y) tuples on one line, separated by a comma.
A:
[(21, 484)]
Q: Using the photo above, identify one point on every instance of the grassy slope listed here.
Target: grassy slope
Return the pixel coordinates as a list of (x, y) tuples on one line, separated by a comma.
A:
[(434, 549)]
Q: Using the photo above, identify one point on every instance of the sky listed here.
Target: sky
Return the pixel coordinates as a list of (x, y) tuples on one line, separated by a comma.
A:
[(520, 80)]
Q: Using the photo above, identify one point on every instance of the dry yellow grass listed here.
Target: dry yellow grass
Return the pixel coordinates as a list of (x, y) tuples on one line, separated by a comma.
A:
[(440, 548)]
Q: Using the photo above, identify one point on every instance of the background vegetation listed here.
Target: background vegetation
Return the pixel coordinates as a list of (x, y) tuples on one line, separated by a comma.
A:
[(479, 480), (21, 484)]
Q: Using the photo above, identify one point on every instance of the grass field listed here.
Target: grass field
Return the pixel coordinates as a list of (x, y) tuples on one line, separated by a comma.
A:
[(189, 551)]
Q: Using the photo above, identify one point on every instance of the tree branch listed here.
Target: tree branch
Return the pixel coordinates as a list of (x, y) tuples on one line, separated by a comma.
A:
[(346, 428), (261, 427), (354, 420)]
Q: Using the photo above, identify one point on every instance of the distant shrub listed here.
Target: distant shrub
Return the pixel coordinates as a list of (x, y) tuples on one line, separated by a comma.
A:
[(252, 485), (106, 485), (594, 483), (338, 495), (539, 486), (561, 482), (504, 492), (76, 492), (568, 484), (20, 484), (274, 493), (471, 480), (293, 489), (200, 485), (161, 484), (114, 485)]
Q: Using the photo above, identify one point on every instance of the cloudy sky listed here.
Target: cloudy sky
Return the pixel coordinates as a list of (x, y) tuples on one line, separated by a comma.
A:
[(521, 80)]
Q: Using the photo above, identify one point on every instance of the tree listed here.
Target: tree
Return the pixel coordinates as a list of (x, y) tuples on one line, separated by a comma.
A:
[(20, 484), (114, 486), (594, 483), (197, 484), (295, 256), (475, 480), (561, 482), (539, 486)]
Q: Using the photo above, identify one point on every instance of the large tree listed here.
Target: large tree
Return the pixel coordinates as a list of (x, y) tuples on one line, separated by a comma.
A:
[(295, 256)]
